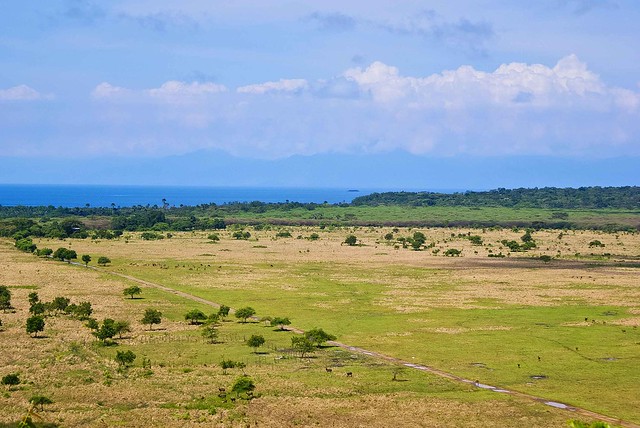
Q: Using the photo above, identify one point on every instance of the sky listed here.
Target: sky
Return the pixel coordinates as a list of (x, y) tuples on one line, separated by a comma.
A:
[(447, 87)]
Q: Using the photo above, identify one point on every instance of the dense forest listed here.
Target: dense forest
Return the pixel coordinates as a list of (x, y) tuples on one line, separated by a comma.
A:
[(548, 198), (556, 208)]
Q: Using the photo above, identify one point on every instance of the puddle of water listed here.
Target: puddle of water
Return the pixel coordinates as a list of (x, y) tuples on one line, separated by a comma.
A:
[(557, 405)]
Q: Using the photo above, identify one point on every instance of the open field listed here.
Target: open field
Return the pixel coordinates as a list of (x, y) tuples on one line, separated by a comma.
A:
[(565, 330)]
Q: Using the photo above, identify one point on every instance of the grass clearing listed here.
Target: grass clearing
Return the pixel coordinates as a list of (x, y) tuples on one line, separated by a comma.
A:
[(481, 318)]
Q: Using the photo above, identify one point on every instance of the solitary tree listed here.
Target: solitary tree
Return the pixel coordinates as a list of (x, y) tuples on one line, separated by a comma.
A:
[(35, 324), (195, 316), (103, 261), (244, 313), (255, 341), (86, 258), (351, 240), (12, 379), (131, 291), (318, 336), (33, 298), (125, 358), (151, 317), (244, 385), (40, 400)]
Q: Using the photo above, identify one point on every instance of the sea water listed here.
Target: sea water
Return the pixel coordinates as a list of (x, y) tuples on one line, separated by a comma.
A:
[(126, 196)]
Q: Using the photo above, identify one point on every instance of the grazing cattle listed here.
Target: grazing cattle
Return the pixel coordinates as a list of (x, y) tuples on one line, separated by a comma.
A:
[(328, 369), (518, 365), (349, 374)]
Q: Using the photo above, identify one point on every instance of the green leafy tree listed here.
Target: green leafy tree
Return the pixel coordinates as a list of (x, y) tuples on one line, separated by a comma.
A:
[(417, 240), (318, 336), (210, 332), (131, 291), (86, 258), (12, 379), (37, 308), (388, 236), (92, 324), (33, 298), (223, 311), (351, 240), (26, 245), (213, 237), (302, 345), (243, 385), (59, 304), (35, 324), (103, 261), (5, 298), (83, 311), (122, 327), (44, 252), (40, 400), (125, 358), (151, 317), (245, 313), (314, 237), (255, 341), (452, 252), (195, 316), (64, 254), (280, 322), (106, 331)]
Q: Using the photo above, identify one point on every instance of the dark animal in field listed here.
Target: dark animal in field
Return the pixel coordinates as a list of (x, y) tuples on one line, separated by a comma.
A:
[(349, 374), (329, 370)]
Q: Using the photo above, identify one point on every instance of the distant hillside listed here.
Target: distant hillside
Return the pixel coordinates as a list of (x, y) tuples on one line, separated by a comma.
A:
[(548, 197)]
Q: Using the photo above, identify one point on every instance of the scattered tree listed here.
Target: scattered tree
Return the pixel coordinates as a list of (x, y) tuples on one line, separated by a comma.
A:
[(314, 237), (12, 379), (125, 358), (35, 324), (86, 258), (33, 298), (106, 331), (452, 252), (64, 254), (255, 341), (244, 313), (243, 385), (122, 327), (213, 237), (59, 304), (5, 298), (26, 245), (302, 345), (40, 400), (103, 261), (131, 291), (280, 322), (151, 317), (230, 364), (195, 316), (318, 336), (351, 240), (37, 308), (595, 243), (44, 252), (223, 311), (388, 236), (210, 332)]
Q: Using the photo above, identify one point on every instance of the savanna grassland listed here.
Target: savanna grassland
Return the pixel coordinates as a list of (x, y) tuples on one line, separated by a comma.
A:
[(564, 329)]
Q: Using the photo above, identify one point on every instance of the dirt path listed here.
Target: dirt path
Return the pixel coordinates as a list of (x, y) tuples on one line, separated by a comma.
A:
[(573, 409)]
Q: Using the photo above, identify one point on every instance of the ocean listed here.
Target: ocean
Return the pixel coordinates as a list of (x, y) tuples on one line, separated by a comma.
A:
[(126, 196)]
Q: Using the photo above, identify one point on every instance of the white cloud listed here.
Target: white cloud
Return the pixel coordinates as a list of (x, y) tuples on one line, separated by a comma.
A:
[(282, 86), (21, 93), (518, 108)]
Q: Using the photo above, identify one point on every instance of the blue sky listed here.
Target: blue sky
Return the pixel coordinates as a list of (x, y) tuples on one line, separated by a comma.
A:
[(278, 81)]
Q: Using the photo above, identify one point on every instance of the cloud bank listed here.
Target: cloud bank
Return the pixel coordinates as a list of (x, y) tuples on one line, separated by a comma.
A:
[(517, 109)]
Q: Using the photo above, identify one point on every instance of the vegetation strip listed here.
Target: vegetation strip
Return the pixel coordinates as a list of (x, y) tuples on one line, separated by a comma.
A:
[(432, 370)]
